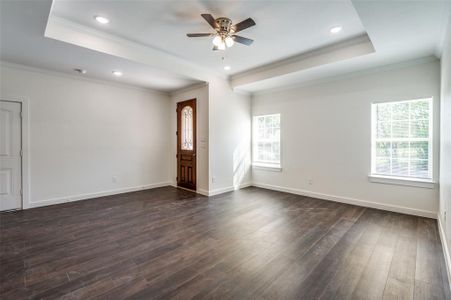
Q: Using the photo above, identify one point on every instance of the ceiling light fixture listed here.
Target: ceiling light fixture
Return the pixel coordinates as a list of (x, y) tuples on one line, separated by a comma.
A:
[(225, 32), (217, 40), (229, 41), (227, 68), (117, 73), (101, 20), (336, 29), (221, 46)]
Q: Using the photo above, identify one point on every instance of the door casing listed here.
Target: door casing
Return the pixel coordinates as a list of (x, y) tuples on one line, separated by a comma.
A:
[(25, 101), (20, 155)]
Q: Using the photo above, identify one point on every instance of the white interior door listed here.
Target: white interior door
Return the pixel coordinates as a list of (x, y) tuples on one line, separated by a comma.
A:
[(10, 155)]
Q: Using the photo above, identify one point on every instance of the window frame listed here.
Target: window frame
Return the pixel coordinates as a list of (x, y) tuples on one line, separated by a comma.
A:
[(399, 179), (269, 166)]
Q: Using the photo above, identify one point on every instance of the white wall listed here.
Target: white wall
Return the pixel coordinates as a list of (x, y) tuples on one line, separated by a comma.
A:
[(223, 142), (326, 137), (83, 133), (445, 139), (200, 93), (230, 137)]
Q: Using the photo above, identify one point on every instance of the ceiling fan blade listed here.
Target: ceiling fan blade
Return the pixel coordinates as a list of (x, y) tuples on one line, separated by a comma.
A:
[(198, 34), (209, 18), (243, 25), (242, 40)]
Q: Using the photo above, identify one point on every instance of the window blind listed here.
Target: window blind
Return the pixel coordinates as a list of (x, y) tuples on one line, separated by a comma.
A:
[(402, 138), (266, 139)]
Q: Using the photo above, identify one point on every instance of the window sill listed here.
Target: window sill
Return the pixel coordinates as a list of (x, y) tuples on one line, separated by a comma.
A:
[(267, 167), (428, 184)]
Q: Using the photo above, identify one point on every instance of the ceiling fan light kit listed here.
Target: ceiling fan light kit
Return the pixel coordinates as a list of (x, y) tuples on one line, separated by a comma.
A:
[(229, 41), (225, 32), (217, 40)]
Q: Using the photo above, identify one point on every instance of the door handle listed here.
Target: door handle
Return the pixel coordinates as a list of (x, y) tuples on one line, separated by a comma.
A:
[(194, 154)]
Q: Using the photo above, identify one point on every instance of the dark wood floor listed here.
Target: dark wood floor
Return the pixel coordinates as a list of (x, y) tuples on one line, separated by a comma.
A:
[(249, 244)]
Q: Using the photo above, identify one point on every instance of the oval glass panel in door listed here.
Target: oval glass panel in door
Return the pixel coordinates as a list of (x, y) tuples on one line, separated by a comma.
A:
[(187, 128)]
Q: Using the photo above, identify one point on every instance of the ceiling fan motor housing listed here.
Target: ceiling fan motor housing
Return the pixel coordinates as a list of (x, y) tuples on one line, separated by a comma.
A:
[(225, 24)]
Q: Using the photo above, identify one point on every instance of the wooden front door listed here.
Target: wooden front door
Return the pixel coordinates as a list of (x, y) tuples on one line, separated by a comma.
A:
[(186, 144)]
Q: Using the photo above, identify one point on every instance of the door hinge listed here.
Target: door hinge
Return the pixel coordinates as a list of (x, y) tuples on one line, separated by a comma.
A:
[(176, 133), (21, 152), (21, 192), (21, 114), (177, 178)]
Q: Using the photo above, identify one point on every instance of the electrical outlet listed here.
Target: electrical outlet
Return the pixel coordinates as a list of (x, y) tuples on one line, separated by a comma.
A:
[(213, 179), (114, 179), (310, 181)]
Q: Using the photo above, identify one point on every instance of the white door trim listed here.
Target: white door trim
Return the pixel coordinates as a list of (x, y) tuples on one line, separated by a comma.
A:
[(25, 146)]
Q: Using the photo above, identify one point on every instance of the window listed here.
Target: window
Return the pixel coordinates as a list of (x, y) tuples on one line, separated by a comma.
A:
[(187, 128), (266, 140), (402, 139)]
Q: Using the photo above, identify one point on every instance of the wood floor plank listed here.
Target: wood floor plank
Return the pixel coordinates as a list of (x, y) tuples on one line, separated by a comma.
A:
[(349, 271), (428, 272), (398, 289), (167, 243), (401, 278), (426, 291), (323, 273), (374, 277)]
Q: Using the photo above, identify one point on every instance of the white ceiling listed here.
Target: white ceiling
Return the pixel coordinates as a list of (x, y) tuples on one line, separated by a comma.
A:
[(22, 26), (284, 28), (399, 31), (146, 39)]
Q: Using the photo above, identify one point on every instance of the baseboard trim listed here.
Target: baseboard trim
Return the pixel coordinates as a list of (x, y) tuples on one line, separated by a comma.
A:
[(353, 201), (229, 189), (202, 192), (208, 193), (87, 196), (445, 248)]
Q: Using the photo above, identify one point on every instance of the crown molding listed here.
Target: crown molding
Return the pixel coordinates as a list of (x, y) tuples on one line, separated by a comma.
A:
[(78, 77), (194, 86), (241, 92), (445, 32), (388, 67), (350, 48)]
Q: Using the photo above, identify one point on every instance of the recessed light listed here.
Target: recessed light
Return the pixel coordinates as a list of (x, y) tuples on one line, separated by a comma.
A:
[(101, 20), (336, 29), (80, 71), (117, 73), (227, 68)]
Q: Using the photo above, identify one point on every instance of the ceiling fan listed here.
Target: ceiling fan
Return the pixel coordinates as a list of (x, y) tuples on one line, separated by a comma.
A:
[(225, 32)]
